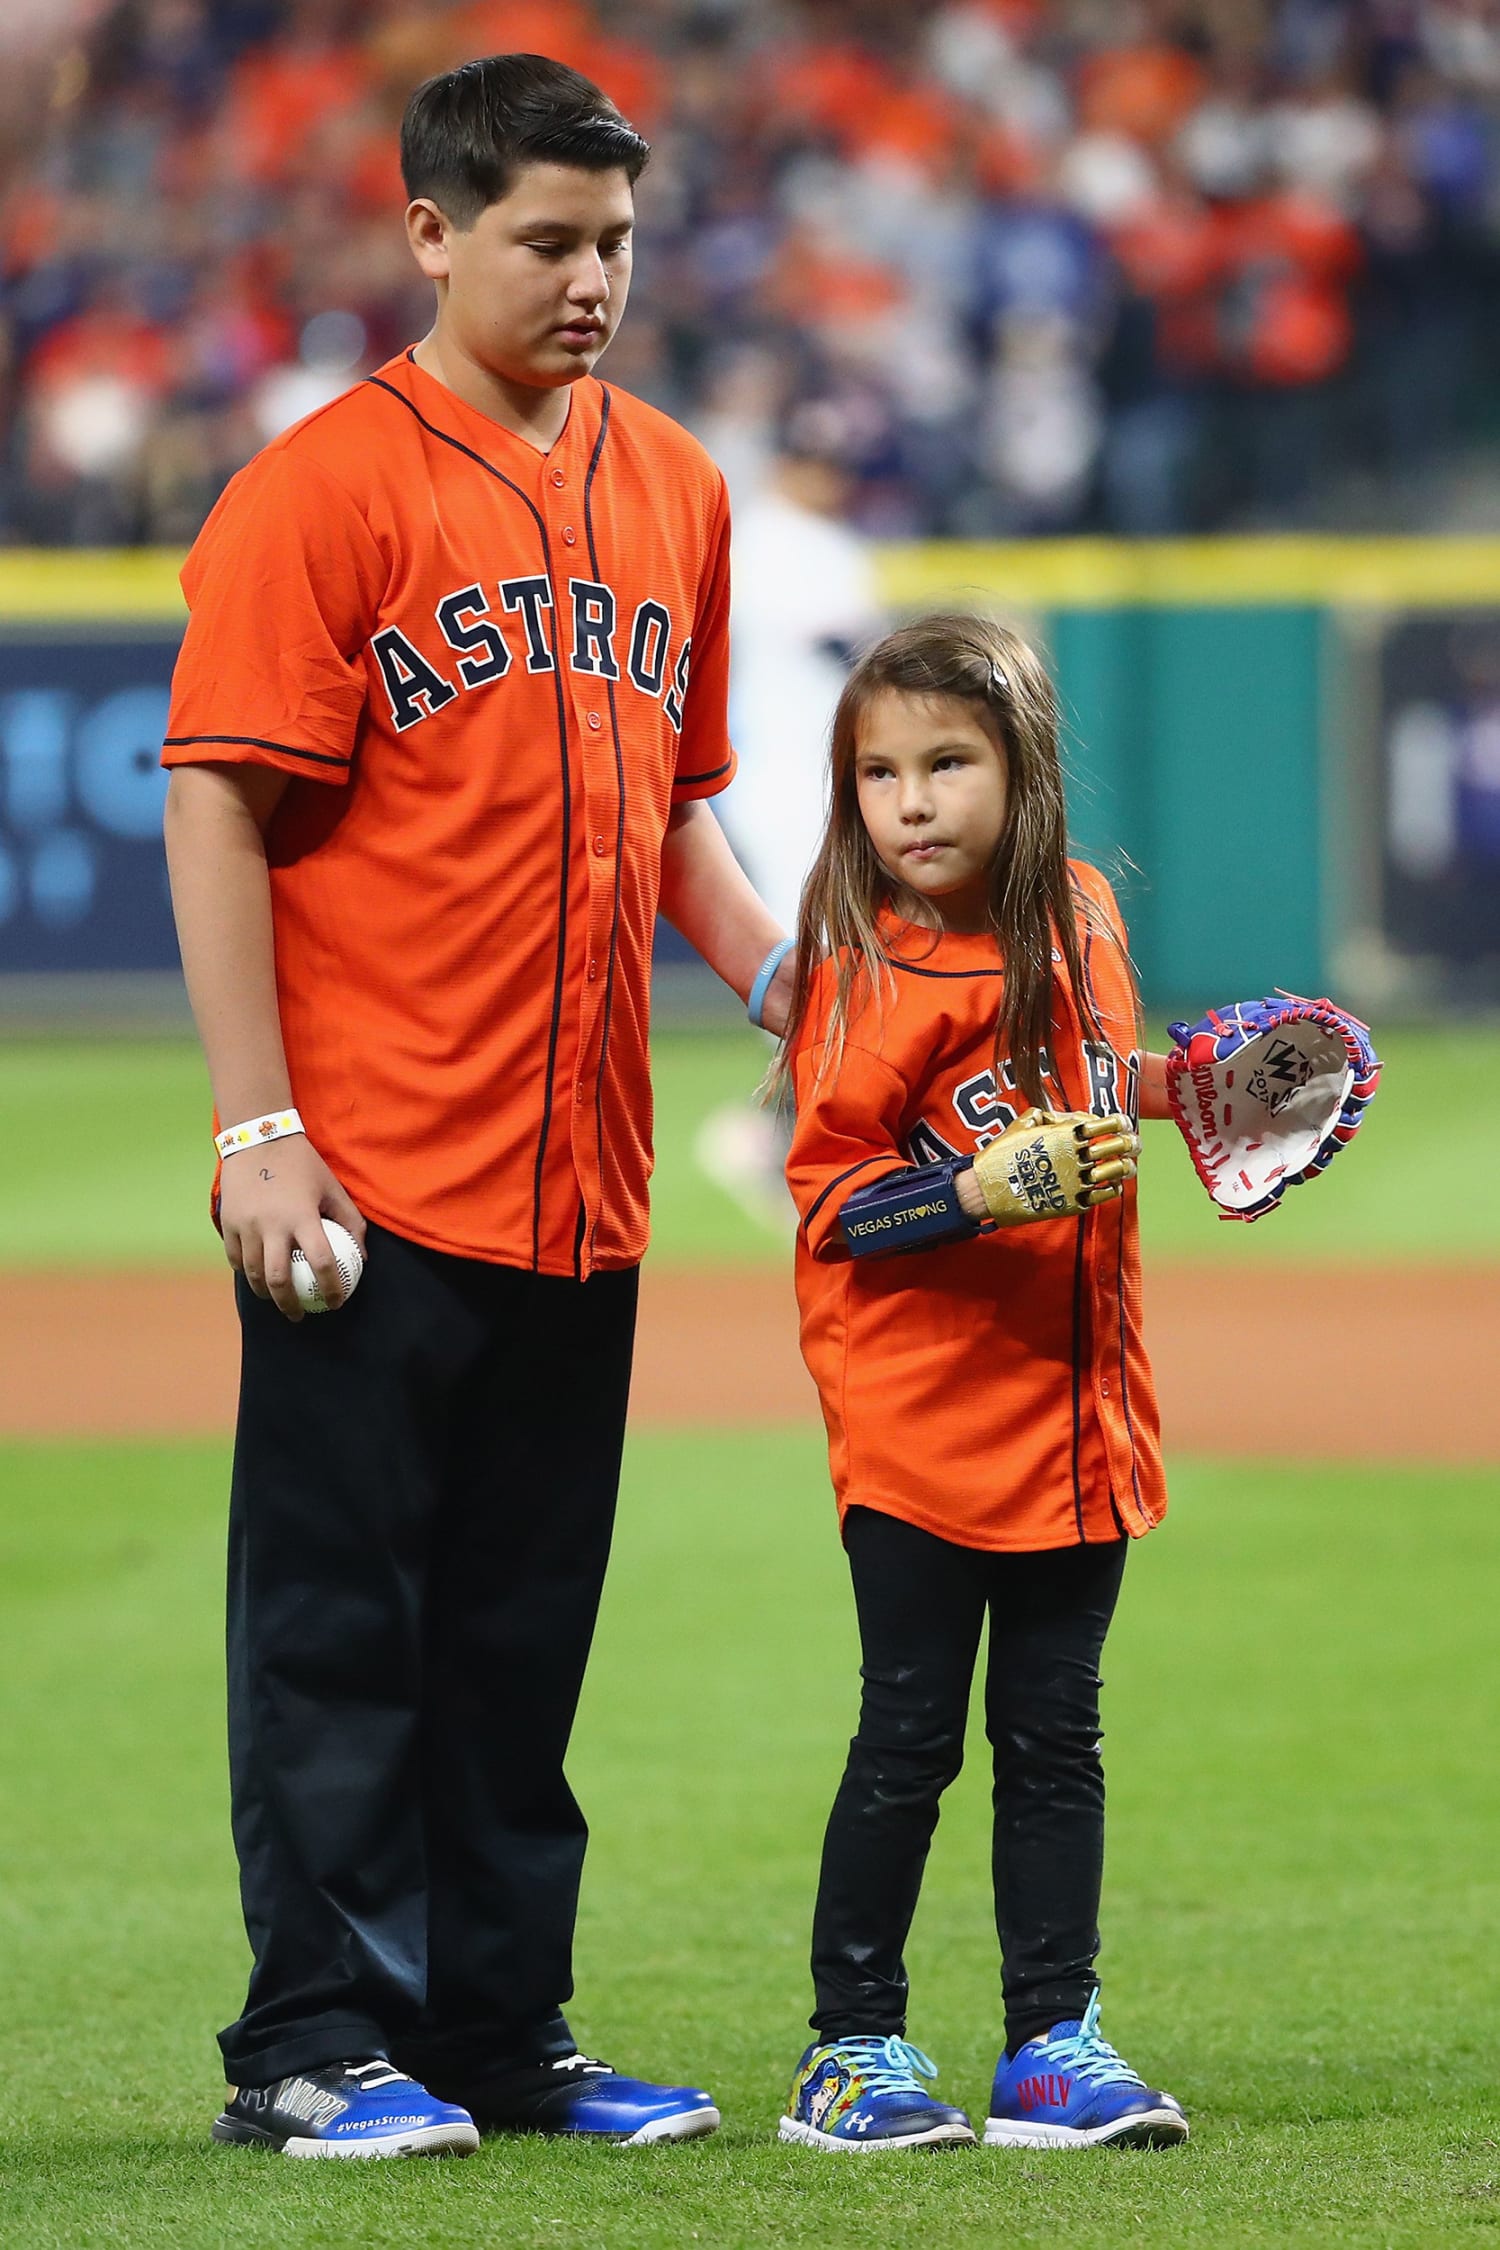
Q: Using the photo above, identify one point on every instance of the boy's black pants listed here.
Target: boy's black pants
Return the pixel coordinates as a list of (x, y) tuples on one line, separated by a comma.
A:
[(922, 1602), (424, 1490)]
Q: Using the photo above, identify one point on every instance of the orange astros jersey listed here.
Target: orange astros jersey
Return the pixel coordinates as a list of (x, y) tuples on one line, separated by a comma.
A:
[(994, 1391), (490, 673)]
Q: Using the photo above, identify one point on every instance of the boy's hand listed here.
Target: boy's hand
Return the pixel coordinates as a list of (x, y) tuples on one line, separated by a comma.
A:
[(273, 1200)]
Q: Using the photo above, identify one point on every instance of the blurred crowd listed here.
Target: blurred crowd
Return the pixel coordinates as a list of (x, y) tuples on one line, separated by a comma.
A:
[(1019, 266)]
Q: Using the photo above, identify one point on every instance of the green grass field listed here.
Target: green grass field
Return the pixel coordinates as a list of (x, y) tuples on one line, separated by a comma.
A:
[(1301, 1902), (107, 1161), (1302, 1887)]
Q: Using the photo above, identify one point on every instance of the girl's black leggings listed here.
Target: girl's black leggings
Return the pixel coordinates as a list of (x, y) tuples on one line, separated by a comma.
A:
[(921, 1602)]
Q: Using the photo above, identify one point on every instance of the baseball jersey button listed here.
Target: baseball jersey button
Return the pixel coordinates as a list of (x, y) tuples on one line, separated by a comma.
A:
[(599, 847), (595, 721), (558, 478), (570, 536), (593, 971)]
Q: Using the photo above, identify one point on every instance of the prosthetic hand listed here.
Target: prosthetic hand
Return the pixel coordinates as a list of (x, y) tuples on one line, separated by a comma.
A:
[(1044, 1166)]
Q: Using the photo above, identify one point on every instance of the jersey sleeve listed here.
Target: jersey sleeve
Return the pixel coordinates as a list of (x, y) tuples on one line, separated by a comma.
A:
[(1096, 889), (1106, 954), (846, 1136), (705, 759), (282, 589)]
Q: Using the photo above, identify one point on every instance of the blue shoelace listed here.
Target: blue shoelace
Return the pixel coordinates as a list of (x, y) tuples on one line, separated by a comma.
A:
[(897, 2067), (1087, 2054)]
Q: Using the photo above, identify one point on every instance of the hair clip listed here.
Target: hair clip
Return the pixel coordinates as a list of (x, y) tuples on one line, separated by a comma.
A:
[(999, 681)]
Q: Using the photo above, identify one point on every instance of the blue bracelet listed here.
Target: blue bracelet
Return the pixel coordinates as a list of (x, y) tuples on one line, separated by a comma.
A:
[(763, 976)]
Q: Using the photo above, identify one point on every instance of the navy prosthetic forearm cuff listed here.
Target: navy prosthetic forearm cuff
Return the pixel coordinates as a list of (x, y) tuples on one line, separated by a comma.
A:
[(914, 1209)]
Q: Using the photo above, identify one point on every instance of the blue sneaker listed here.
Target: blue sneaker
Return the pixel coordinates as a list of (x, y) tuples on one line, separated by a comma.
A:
[(1071, 2090), (868, 2094), (347, 2109), (575, 2095)]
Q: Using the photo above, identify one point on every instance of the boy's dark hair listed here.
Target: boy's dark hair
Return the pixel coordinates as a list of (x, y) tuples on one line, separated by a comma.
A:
[(467, 132)]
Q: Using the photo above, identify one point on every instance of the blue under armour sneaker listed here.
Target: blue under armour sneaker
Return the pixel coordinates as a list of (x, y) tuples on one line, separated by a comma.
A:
[(574, 2094), (1071, 2090), (347, 2109), (868, 2094)]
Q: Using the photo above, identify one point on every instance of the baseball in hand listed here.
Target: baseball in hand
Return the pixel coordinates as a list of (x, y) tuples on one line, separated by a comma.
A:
[(347, 1257)]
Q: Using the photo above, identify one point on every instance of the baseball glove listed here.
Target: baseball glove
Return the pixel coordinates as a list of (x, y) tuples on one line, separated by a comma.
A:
[(1266, 1093), (1049, 1166)]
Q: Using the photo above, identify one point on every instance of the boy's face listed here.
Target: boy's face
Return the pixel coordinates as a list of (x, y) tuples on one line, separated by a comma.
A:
[(933, 786), (534, 290)]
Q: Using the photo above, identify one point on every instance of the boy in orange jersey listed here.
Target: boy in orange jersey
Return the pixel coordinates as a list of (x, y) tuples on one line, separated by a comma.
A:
[(450, 700)]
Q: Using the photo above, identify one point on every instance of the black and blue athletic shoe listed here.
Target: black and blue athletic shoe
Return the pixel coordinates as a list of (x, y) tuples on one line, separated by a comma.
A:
[(868, 2093), (1071, 2090), (347, 2109), (575, 2095)]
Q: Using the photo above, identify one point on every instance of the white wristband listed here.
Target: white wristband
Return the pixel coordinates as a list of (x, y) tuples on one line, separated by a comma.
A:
[(274, 1127)]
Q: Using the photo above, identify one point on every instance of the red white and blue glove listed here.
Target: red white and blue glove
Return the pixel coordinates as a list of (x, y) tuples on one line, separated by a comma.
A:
[(1266, 1093)]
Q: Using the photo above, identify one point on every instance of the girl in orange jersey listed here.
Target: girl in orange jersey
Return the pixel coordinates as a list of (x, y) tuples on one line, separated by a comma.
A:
[(991, 1417)]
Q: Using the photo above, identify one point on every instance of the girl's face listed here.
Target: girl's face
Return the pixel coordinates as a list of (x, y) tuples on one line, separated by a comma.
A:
[(933, 785)]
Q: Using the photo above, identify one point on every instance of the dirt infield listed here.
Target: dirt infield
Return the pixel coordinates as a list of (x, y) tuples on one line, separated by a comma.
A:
[(1308, 1364)]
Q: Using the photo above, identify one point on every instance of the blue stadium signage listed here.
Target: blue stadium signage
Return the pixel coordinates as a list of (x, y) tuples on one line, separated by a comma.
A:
[(82, 875)]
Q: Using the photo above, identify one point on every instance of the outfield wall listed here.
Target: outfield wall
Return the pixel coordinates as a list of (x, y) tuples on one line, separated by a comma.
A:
[(1241, 715), (1230, 709)]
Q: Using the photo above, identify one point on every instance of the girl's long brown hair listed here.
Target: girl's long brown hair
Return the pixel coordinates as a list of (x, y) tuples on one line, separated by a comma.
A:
[(1033, 903)]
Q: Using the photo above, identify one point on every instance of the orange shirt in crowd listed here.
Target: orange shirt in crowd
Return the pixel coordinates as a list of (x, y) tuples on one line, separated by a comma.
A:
[(827, 289), (490, 673), (996, 1391), (278, 96), (826, 87), (1291, 257), (104, 340), (1143, 91), (563, 29), (633, 77), (1175, 251), (919, 125)]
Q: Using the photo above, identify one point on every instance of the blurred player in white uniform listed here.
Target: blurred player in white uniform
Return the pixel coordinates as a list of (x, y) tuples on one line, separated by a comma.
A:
[(804, 602)]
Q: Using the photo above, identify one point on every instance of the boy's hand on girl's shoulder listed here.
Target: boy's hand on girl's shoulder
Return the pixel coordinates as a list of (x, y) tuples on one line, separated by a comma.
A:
[(273, 1200)]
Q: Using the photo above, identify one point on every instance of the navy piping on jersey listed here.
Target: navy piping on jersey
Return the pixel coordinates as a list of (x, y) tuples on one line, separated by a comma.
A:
[(254, 742), (691, 780), (614, 729), (1135, 1475), (1083, 1537), (1135, 1480), (1088, 974), (912, 970), (380, 384), (825, 1193)]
